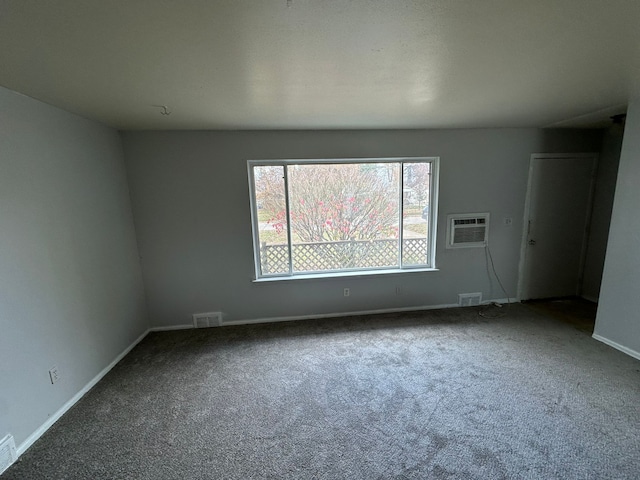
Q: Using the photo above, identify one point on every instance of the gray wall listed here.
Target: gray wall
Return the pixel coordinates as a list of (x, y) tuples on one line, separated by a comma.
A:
[(604, 193), (71, 290), (191, 207), (618, 317)]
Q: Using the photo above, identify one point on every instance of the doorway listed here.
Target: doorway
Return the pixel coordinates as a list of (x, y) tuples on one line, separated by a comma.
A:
[(557, 215)]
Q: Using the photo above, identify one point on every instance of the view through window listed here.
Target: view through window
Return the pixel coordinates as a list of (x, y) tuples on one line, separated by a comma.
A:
[(342, 215)]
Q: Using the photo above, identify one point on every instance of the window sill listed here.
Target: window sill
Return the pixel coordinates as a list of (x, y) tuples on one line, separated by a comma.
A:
[(328, 276)]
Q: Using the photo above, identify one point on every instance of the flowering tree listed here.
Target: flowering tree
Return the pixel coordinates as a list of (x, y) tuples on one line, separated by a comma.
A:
[(333, 202)]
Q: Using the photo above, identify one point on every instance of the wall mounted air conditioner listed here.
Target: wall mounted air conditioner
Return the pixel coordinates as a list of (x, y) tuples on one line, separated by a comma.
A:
[(467, 230)]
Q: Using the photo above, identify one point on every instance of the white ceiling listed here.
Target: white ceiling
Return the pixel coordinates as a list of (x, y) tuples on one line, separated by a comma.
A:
[(272, 64)]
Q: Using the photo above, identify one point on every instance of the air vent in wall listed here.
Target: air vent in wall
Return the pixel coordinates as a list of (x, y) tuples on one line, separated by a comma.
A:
[(467, 230), (205, 320), (7, 453), (469, 299)]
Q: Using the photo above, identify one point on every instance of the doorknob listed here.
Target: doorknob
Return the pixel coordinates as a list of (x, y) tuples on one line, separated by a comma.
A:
[(532, 242)]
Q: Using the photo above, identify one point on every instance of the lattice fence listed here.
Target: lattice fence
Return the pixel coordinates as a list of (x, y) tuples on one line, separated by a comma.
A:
[(414, 251), (321, 256)]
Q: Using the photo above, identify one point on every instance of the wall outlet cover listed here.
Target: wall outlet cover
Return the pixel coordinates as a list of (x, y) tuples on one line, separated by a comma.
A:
[(54, 374)]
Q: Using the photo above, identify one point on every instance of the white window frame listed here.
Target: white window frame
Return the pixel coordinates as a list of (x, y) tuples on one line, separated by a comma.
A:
[(432, 227)]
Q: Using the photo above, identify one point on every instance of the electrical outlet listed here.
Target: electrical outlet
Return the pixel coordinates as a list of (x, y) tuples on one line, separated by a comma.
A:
[(347, 292), (508, 221), (54, 374)]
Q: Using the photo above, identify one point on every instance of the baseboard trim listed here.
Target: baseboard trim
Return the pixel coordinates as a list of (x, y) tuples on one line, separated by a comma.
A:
[(617, 346), (501, 301), (335, 315), (56, 416), (330, 315), (350, 314), (591, 298), (171, 327)]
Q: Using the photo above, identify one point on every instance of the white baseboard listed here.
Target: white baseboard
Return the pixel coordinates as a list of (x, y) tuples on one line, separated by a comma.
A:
[(335, 315), (350, 314), (617, 346), (292, 318), (56, 416), (171, 327), (500, 300)]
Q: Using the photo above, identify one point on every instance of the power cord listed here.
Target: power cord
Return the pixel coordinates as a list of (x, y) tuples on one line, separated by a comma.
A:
[(501, 311)]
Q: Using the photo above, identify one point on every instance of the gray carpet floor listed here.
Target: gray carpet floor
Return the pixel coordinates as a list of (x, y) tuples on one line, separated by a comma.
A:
[(436, 394)]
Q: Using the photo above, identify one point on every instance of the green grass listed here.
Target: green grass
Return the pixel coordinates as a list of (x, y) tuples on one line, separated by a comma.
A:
[(272, 237), (415, 211), (417, 228), (263, 215)]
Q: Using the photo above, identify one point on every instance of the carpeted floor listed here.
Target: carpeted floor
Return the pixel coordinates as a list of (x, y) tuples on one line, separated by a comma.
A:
[(576, 311), (436, 394)]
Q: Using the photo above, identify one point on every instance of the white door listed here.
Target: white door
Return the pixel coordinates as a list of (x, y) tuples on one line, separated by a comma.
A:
[(556, 219)]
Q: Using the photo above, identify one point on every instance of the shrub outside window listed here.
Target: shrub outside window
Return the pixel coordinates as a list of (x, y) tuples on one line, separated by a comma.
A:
[(337, 216)]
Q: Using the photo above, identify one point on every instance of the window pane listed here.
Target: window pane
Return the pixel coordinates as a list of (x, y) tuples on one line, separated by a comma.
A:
[(344, 216), (416, 213), (272, 219)]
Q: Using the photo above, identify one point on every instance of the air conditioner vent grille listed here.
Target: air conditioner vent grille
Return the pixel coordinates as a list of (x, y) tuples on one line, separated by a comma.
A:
[(467, 230), (469, 235), (470, 221)]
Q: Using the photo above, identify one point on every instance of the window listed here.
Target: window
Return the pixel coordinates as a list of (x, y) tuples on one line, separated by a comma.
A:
[(324, 217)]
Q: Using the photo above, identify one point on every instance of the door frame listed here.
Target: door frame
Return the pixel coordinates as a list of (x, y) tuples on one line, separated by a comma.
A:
[(527, 211)]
